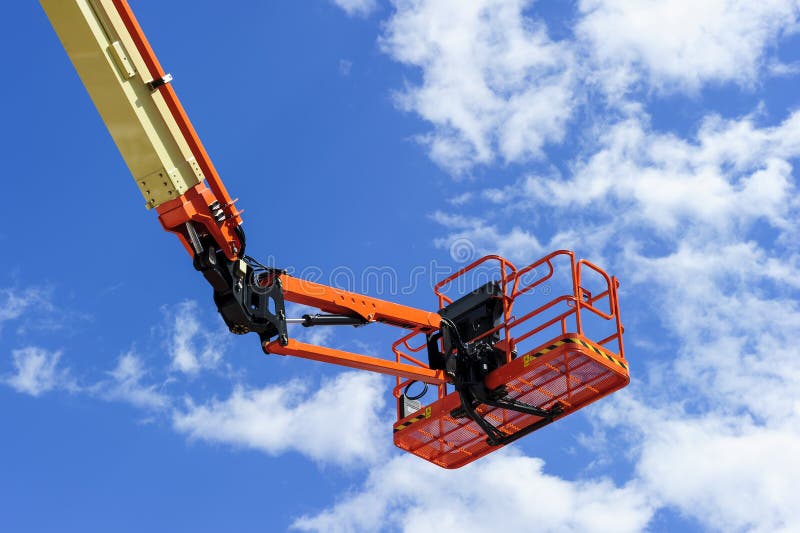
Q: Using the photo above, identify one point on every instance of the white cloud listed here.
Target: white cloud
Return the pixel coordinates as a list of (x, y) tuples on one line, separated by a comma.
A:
[(359, 8), (727, 472), (461, 199), (682, 44), (126, 385), (12, 305), (501, 492), (471, 238), (778, 69), (723, 466), (37, 372), (492, 80), (15, 303), (340, 422), (737, 357), (192, 345), (732, 174), (345, 67)]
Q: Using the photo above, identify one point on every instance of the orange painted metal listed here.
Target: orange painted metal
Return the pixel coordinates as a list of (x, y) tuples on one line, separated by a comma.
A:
[(224, 233), (352, 360), (568, 369), (338, 301), (193, 206), (401, 349)]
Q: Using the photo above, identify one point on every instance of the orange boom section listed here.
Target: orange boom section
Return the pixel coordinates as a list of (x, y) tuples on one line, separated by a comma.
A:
[(548, 314)]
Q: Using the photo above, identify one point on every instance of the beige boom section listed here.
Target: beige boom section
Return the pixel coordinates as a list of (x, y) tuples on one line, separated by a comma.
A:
[(120, 85)]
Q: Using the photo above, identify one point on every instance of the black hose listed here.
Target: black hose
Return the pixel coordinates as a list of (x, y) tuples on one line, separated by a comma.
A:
[(418, 396)]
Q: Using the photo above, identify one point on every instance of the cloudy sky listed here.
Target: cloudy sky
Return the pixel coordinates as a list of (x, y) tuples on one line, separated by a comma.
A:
[(656, 138)]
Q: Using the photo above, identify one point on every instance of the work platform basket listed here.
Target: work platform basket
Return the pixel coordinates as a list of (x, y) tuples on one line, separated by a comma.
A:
[(560, 335)]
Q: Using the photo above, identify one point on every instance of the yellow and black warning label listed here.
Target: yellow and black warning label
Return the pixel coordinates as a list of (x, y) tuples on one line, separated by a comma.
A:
[(529, 358), (425, 415)]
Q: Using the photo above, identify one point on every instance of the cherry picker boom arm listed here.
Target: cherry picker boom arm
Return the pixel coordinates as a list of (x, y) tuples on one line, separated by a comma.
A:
[(138, 104), (495, 382)]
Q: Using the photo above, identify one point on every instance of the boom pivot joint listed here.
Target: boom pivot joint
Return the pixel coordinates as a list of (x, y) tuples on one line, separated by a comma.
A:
[(249, 297)]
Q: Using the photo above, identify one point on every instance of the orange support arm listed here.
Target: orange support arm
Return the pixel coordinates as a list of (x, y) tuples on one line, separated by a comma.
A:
[(352, 360), (331, 300), (338, 301)]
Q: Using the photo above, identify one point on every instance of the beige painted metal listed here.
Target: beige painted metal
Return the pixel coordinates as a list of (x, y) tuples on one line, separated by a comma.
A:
[(114, 73)]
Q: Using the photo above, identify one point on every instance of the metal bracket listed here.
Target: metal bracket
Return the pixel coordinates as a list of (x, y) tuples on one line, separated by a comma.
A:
[(155, 84), (472, 396), (124, 64), (247, 302)]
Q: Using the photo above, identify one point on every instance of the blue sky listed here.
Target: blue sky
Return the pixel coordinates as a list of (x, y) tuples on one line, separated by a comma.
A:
[(658, 139)]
